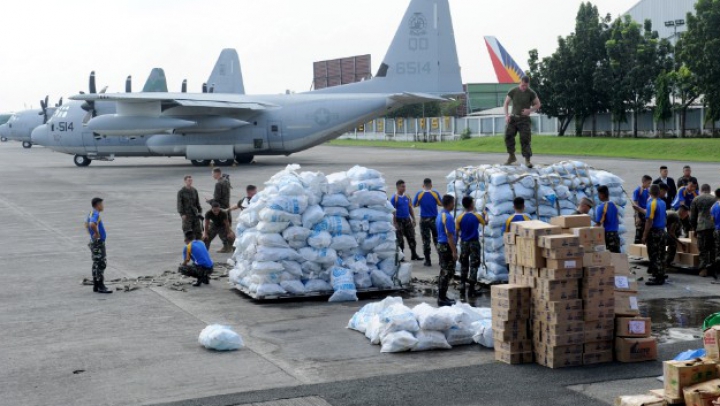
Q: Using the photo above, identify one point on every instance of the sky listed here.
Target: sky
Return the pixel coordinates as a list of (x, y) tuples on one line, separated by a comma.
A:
[(50, 47)]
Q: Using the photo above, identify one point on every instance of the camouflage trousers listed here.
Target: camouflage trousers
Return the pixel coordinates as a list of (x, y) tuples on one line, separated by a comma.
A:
[(706, 245), (192, 223), (469, 260), (99, 260), (716, 236), (194, 271), (639, 227), (520, 125), (612, 241), (429, 234), (671, 252), (656, 245), (407, 230), (447, 268), (225, 236)]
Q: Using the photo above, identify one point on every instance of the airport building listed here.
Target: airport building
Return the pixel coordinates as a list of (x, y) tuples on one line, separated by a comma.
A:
[(668, 16)]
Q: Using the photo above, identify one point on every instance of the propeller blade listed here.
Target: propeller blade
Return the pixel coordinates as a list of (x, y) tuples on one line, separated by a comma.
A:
[(60, 102), (183, 89), (93, 87), (128, 84), (103, 90), (47, 101)]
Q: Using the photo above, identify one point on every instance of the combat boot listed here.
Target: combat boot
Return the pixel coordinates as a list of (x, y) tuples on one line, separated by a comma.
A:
[(655, 281), (703, 273), (427, 262), (416, 257), (198, 282), (511, 159), (472, 292), (528, 163), (103, 289), (95, 286)]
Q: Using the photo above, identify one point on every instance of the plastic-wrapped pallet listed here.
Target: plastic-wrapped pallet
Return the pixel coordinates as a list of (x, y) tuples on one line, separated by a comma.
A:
[(549, 191), (306, 232)]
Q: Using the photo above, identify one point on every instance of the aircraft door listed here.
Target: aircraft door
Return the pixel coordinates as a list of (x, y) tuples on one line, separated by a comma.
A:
[(89, 141), (275, 135)]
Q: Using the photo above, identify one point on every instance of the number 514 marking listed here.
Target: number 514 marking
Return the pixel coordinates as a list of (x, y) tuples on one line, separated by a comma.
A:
[(413, 68)]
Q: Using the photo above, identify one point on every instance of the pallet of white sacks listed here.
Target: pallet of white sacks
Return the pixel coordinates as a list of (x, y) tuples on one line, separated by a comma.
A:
[(311, 295)]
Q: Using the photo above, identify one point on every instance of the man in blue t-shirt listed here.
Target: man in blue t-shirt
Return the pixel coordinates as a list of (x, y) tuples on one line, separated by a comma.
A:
[(606, 216), (639, 201), (686, 195), (428, 199), (715, 212), (404, 220), (447, 250), (96, 228), (196, 260), (655, 237), (467, 226), (519, 206)]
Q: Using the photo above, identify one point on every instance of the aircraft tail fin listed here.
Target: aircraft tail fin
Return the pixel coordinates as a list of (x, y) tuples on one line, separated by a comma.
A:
[(422, 57), (227, 76), (156, 82), (506, 69)]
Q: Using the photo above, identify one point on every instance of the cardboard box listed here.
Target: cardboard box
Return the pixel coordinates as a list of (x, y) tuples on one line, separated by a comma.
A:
[(513, 292), (711, 340), (702, 394), (624, 283), (510, 335), (558, 351), (669, 400), (681, 374), (505, 309), (689, 260), (556, 340), (558, 306), (640, 400), (599, 346), (599, 313), (514, 346), (589, 293), (510, 255), (516, 269), (597, 259), (593, 358), (564, 263), (638, 250), (626, 304), (635, 349), (510, 325), (561, 361), (563, 253), (600, 325), (528, 253), (509, 239), (590, 272), (564, 328), (531, 272), (621, 263), (581, 220), (558, 318), (558, 241), (693, 237), (534, 229), (632, 327), (514, 358), (590, 236), (598, 282), (556, 290), (593, 336), (561, 274)]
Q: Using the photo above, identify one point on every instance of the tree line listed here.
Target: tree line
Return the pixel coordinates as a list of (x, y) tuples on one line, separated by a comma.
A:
[(622, 67)]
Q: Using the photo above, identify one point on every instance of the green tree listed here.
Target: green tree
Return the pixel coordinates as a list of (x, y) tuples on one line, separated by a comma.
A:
[(550, 79), (663, 106), (700, 50)]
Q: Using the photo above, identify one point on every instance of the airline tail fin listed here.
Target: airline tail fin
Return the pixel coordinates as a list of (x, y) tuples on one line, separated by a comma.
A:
[(422, 57), (506, 69), (227, 76), (156, 82)]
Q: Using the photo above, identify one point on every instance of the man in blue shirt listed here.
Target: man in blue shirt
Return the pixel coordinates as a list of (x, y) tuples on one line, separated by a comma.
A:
[(715, 212), (96, 229), (467, 225), (606, 216), (428, 200), (639, 201), (654, 236), (404, 220), (686, 195), (196, 260), (447, 250), (519, 206)]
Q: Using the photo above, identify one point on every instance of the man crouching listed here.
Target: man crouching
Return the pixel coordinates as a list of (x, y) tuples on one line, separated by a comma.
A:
[(196, 260)]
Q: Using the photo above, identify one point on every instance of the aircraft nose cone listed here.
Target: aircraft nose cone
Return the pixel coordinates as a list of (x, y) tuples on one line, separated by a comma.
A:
[(40, 135)]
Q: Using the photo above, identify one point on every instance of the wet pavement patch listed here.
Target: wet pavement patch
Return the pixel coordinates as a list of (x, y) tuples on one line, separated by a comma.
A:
[(676, 320)]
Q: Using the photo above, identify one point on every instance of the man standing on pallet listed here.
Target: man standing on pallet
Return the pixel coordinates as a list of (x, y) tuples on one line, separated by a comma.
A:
[(701, 220), (525, 102), (655, 237)]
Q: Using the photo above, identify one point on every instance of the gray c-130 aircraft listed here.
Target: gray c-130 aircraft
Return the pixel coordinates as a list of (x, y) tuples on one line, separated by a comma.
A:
[(421, 65)]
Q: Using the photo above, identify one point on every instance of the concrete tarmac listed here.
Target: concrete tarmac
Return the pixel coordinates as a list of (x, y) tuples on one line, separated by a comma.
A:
[(65, 345)]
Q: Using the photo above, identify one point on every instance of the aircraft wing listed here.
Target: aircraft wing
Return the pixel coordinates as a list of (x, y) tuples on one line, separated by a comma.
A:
[(200, 100)]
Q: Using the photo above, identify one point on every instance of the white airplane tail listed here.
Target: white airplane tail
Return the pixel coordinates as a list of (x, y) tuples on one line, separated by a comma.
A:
[(227, 76), (422, 57)]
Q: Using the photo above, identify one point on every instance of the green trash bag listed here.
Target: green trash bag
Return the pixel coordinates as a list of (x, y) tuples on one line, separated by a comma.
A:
[(711, 320)]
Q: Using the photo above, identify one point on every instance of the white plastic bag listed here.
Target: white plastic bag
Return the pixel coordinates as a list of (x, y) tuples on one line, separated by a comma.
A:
[(483, 333), (337, 211), (343, 283), (324, 256), (431, 318), (337, 199), (343, 243), (459, 336), (270, 289), (266, 227), (317, 285), (400, 341), (272, 240), (334, 225), (431, 340), (319, 239), (362, 280), (381, 280), (397, 317), (220, 338), (295, 287)]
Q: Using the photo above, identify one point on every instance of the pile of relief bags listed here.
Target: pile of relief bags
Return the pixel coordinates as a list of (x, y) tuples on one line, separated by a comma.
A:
[(397, 328), (549, 191), (307, 233)]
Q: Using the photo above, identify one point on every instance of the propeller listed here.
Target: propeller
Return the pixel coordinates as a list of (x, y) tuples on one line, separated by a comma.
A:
[(128, 84), (44, 107), (204, 88), (183, 88), (59, 103), (89, 105)]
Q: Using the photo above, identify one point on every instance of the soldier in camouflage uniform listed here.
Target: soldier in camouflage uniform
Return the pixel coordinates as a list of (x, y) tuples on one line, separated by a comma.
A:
[(222, 191), (701, 220), (446, 249), (716, 220), (98, 235), (404, 220), (655, 236), (188, 206), (607, 216), (467, 226), (674, 228), (524, 103)]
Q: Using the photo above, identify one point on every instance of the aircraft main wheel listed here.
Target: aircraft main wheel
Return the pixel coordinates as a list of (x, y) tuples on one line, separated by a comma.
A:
[(3, 139), (244, 159), (197, 162), (27, 144), (224, 162), (82, 161)]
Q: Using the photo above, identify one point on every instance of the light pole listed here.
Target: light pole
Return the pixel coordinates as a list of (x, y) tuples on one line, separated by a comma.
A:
[(675, 24)]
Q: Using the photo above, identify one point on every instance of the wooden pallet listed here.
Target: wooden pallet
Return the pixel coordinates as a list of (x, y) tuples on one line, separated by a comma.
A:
[(309, 295)]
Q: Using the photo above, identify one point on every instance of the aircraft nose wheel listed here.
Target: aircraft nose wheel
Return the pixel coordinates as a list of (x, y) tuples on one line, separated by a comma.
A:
[(197, 162), (224, 162), (244, 159), (27, 144), (82, 161), (3, 139)]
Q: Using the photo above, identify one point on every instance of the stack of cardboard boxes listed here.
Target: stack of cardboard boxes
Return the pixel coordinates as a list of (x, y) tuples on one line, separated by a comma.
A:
[(510, 319), (633, 341), (686, 256)]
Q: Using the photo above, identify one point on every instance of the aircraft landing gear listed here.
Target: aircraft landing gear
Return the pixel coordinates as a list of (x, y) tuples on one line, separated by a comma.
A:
[(196, 162), (82, 161), (3, 139), (244, 159), (224, 162), (27, 144)]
